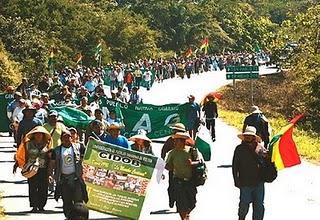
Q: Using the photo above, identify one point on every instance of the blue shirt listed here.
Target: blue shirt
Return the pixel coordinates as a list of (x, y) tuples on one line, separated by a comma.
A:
[(120, 141), (90, 85)]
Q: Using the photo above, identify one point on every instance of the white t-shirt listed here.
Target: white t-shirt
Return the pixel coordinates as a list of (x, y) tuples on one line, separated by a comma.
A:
[(68, 163)]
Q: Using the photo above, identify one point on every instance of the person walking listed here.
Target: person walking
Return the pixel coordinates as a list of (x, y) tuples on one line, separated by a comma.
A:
[(211, 113), (167, 147), (260, 122), (34, 150), (246, 172), (141, 142), (180, 163), (193, 116), (66, 159)]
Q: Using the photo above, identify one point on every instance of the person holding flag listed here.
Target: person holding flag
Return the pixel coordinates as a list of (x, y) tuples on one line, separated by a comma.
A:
[(247, 174)]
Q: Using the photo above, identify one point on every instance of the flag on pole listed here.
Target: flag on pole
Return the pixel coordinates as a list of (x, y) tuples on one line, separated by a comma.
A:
[(79, 58), (98, 51), (282, 147), (205, 45), (189, 52), (51, 60), (203, 142)]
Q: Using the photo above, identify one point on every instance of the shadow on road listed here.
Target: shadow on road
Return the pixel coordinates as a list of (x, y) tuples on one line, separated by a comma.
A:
[(224, 166), (24, 213), (8, 151), (7, 161), (164, 211), (15, 196), (14, 182)]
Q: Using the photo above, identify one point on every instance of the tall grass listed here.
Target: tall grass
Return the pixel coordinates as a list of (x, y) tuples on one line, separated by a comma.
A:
[(308, 143)]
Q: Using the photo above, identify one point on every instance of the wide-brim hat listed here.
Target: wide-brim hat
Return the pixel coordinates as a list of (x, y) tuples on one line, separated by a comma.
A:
[(250, 131), (39, 129), (181, 135), (31, 108), (140, 136), (178, 127)]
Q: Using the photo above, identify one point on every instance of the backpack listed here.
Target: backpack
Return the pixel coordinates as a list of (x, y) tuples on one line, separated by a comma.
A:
[(268, 170), (200, 171)]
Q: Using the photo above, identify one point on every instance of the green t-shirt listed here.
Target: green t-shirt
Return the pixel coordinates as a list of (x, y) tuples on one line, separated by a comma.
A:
[(178, 160), (56, 134)]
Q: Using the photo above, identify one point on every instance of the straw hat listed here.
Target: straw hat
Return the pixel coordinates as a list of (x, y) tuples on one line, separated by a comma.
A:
[(250, 131), (39, 129), (142, 134), (29, 108), (181, 135), (178, 127)]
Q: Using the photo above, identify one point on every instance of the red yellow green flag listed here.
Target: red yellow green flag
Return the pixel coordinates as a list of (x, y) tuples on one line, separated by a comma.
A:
[(205, 45), (189, 52), (282, 147), (79, 58)]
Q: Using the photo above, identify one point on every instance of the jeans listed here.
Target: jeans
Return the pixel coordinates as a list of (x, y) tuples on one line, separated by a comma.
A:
[(254, 195)]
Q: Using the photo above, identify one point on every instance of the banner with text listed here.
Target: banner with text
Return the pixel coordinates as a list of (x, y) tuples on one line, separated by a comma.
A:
[(156, 120), (117, 179)]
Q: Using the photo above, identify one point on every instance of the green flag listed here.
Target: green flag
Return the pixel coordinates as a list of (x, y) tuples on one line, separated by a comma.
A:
[(98, 51), (73, 117), (203, 142)]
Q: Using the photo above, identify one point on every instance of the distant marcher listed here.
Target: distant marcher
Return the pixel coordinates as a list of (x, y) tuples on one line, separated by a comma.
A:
[(180, 163), (141, 142), (211, 113), (193, 116), (134, 96), (247, 175), (35, 150), (260, 122)]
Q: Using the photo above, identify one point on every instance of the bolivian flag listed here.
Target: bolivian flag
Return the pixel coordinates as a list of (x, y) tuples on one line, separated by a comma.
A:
[(282, 147), (189, 52), (204, 45)]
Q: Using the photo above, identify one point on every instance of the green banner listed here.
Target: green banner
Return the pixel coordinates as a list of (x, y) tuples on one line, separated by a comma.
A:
[(156, 120), (5, 99), (117, 179)]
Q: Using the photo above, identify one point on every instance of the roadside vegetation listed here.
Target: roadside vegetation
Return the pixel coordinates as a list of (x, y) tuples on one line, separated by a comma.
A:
[(275, 100)]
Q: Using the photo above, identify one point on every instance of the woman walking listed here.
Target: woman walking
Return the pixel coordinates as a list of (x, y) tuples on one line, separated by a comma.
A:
[(32, 157)]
